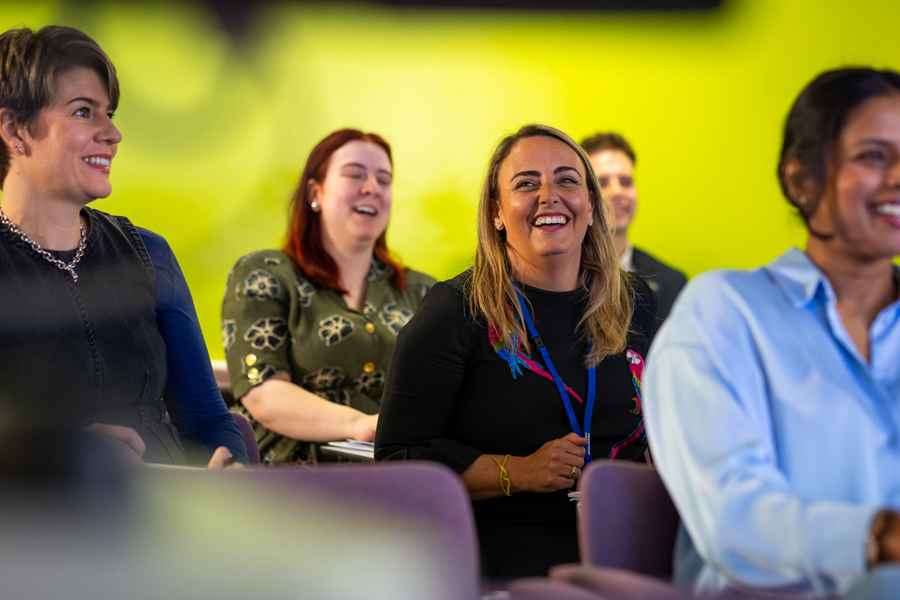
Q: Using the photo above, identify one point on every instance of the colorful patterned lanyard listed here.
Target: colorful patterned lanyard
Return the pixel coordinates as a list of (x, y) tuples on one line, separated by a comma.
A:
[(560, 386)]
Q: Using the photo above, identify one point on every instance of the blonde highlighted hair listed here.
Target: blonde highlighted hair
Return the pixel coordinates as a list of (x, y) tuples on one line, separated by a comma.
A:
[(491, 293)]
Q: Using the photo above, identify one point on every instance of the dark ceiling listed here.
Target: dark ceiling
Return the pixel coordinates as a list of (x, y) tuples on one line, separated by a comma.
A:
[(234, 15)]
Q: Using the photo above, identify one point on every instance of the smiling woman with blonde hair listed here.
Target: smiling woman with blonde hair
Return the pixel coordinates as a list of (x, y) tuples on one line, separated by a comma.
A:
[(518, 372)]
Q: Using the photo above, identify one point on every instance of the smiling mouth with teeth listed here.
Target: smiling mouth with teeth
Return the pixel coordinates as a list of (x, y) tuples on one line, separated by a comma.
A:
[(365, 210), (555, 220), (892, 210), (96, 160)]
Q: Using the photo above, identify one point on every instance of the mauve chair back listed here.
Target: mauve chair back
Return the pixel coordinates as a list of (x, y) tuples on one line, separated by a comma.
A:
[(628, 520), (428, 492), (249, 438)]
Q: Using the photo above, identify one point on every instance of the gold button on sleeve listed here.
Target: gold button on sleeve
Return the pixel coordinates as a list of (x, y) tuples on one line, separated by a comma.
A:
[(253, 373), (250, 359), (370, 327), (369, 367)]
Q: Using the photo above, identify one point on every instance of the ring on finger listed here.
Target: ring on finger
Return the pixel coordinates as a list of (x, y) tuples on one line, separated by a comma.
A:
[(572, 474)]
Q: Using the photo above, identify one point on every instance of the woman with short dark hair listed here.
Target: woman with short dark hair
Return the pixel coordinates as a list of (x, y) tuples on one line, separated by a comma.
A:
[(97, 326), (308, 330), (772, 394)]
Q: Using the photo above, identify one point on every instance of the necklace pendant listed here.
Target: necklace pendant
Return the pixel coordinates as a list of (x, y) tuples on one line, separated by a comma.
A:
[(74, 276)]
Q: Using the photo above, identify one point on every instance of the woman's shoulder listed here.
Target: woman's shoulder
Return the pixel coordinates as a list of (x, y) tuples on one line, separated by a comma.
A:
[(103, 221), (456, 287), (156, 245), (724, 308), (271, 263), (445, 314), (449, 297), (263, 258), (725, 290), (264, 274)]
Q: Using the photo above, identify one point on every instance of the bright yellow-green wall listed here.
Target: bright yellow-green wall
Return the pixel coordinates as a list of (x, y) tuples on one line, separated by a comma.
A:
[(216, 129)]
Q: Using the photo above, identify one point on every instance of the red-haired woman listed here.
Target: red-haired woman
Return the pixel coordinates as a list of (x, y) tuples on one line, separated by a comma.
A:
[(308, 330)]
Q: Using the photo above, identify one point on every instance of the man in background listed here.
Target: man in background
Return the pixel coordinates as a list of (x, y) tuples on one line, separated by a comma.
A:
[(613, 161)]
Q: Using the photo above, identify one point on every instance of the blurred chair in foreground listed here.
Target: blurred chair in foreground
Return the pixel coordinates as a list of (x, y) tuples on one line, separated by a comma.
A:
[(426, 493), (628, 520), (77, 524), (626, 534)]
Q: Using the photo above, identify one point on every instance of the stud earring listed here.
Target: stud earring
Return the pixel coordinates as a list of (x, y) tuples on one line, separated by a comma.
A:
[(21, 150), (498, 224), (802, 200), (314, 206), (591, 221)]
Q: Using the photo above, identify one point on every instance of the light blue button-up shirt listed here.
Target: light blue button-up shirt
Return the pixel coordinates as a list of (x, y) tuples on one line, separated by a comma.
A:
[(776, 439)]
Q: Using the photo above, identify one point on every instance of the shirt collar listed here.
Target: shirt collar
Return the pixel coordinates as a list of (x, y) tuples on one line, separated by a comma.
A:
[(799, 278), (626, 261)]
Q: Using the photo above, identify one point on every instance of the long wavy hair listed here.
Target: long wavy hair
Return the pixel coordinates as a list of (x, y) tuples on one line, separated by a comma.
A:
[(490, 292), (304, 243)]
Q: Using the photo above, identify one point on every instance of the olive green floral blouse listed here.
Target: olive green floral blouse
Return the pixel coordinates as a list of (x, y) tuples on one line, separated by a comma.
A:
[(275, 320)]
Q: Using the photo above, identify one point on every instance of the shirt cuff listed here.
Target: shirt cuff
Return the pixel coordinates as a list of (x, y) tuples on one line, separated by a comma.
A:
[(836, 541)]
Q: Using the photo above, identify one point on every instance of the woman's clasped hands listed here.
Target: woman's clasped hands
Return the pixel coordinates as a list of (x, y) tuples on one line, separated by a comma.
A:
[(554, 466)]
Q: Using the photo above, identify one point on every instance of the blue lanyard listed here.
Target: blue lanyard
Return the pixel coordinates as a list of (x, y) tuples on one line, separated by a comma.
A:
[(560, 386)]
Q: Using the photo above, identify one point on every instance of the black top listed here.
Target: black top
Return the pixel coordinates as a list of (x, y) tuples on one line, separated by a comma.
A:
[(662, 279), (450, 398), (97, 350)]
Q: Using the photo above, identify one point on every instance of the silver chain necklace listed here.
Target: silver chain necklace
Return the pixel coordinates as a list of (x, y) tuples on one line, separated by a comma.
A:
[(45, 254)]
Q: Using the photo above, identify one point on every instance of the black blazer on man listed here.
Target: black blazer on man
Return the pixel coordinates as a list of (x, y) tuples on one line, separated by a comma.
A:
[(662, 279)]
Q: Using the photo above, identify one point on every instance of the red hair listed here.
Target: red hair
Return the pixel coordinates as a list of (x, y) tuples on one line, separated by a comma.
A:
[(304, 243)]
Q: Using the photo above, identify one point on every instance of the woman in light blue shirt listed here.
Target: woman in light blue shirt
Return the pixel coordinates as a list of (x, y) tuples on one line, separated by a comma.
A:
[(772, 396)]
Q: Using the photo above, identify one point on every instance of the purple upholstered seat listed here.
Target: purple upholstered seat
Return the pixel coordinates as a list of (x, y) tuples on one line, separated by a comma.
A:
[(628, 520), (614, 584), (428, 494), (546, 589), (249, 438)]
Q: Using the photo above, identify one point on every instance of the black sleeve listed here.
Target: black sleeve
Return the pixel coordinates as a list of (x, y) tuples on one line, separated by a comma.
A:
[(424, 381)]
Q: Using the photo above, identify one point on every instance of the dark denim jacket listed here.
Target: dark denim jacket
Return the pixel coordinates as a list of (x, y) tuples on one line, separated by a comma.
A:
[(76, 353)]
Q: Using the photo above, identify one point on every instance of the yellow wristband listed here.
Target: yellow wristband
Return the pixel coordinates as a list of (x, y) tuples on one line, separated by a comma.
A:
[(504, 476)]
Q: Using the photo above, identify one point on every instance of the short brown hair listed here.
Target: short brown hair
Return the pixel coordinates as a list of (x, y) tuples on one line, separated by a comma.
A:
[(30, 64), (608, 141)]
